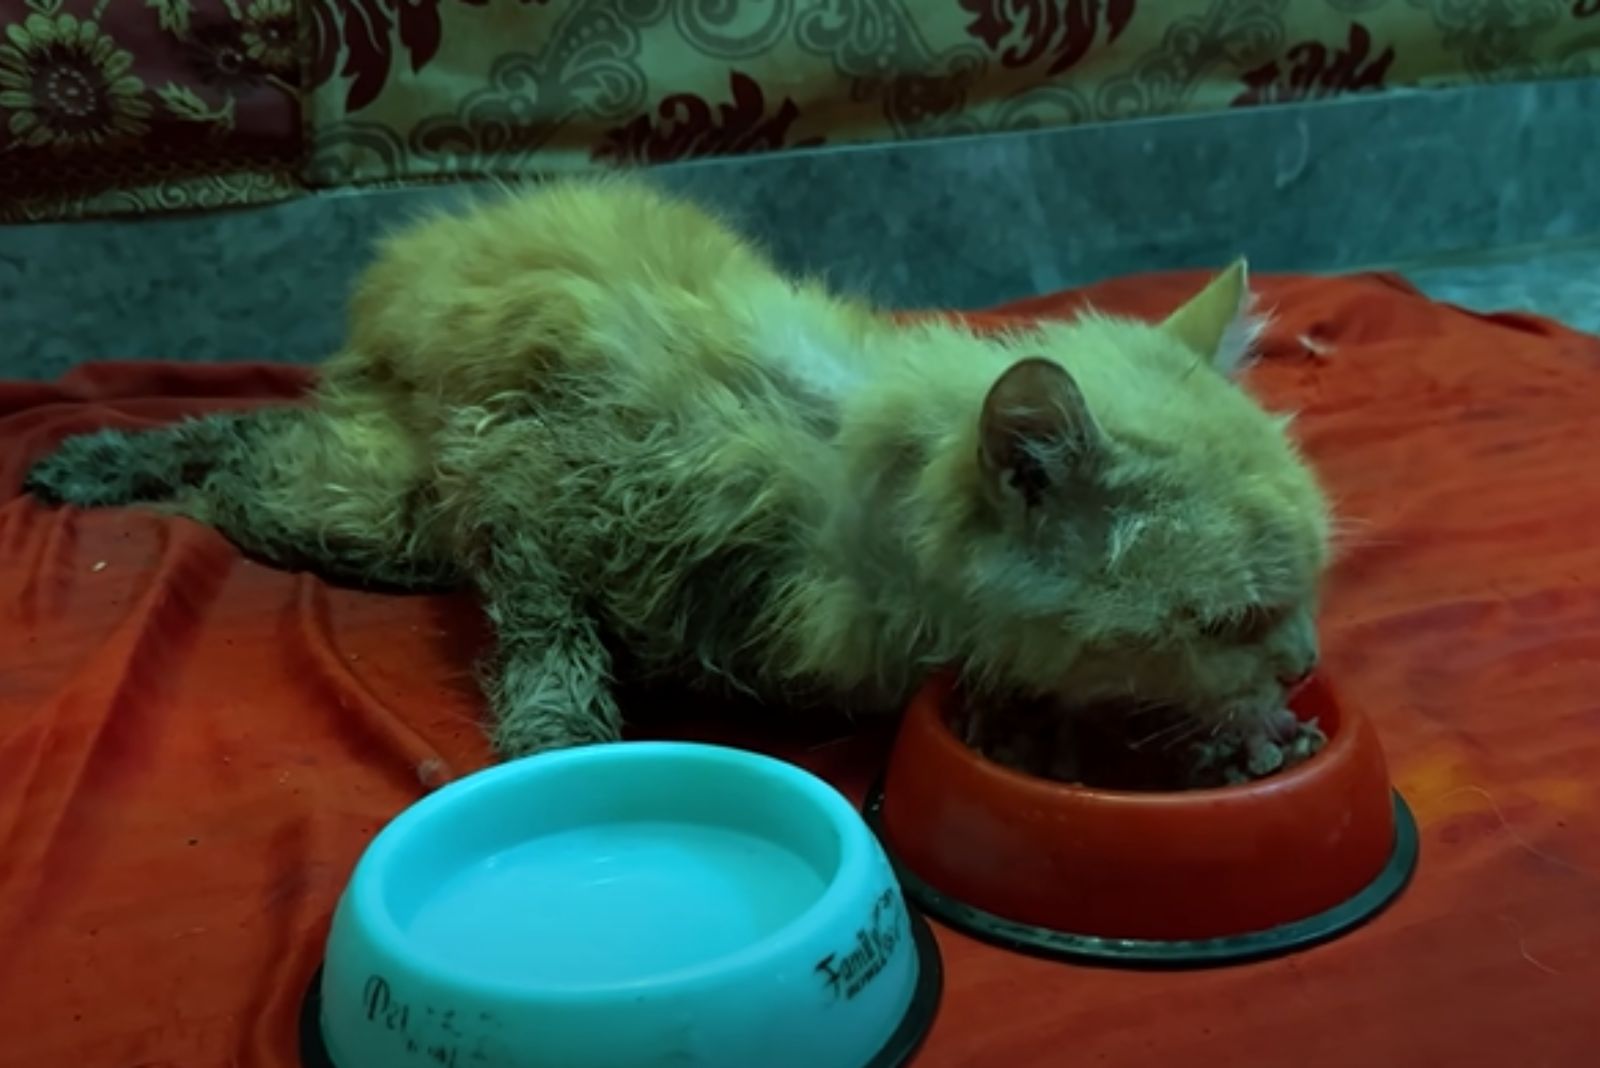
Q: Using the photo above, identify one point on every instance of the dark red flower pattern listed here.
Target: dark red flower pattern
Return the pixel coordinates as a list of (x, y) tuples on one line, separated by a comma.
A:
[(917, 98), (238, 56), (1023, 31), (365, 30), (1312, 70), (686, 126)]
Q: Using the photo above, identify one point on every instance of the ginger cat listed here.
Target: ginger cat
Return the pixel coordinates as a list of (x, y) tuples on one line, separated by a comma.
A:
[(637, 439)]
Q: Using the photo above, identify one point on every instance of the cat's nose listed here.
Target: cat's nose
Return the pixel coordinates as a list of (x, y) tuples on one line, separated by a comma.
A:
[(1293, 680)]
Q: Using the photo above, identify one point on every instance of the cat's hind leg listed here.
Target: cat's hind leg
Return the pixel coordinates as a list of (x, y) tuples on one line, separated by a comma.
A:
[(106, 468), (343, 491), (333, 491)]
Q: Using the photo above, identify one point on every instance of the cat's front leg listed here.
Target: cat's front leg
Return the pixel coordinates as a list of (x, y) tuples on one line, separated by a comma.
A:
[(551, 693), (549, 682)]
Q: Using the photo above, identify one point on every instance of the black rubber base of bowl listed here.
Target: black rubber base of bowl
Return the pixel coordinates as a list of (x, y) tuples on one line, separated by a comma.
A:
[(313, 1051), (1150, 953), (895, 1053), (924, 1006)]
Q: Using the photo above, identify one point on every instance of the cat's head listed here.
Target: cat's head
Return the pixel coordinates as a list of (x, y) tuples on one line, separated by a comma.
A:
[(1136, 526)]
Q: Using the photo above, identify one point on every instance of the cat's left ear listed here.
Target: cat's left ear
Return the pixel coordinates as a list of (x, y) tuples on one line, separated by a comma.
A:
[(1218, 322), (1035, 433)]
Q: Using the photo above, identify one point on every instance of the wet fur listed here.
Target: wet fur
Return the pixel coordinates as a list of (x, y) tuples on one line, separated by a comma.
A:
[(651, 453)]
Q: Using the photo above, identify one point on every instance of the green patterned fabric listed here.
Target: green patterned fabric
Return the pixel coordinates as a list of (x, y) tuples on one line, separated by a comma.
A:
[(168, 104)]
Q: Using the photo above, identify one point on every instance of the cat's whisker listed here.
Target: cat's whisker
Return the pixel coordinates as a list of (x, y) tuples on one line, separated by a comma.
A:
[(1165, 732), (1144, 708), (1185, 737)]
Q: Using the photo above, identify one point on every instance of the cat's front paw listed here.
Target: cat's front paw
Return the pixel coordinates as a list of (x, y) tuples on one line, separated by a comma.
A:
[(1277, 747)]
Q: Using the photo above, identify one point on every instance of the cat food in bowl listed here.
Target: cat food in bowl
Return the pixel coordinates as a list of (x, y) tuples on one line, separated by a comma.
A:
[(1155, 870), (635, 904)]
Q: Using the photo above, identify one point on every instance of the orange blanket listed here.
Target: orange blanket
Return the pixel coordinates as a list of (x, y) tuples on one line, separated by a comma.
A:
[(195, 748)]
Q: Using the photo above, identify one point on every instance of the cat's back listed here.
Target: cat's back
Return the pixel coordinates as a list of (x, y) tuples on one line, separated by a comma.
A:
[(467, 306)]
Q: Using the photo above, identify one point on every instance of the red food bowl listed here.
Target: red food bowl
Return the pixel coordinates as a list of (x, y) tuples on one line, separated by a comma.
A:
[(1194, 876)]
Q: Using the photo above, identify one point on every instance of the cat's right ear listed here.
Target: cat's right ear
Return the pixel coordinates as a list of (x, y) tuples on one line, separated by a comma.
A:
[(1218, 323), (1036, 432)]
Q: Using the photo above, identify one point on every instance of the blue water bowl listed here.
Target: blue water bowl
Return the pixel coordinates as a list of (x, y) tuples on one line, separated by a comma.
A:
[(626, 906)]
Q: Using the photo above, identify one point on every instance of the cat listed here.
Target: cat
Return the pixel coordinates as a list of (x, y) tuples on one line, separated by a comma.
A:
[(655, 455)]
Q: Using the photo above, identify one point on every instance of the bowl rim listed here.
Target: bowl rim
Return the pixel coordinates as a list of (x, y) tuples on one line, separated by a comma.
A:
[(932, 699), (1245, 946), (364, 891)]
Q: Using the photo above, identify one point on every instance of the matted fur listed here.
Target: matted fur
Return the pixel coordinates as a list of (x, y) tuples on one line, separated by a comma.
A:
[(639, 440)]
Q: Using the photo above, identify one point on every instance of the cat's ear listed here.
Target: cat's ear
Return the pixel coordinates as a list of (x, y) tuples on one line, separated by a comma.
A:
[(1036, 432), (1218, 322)]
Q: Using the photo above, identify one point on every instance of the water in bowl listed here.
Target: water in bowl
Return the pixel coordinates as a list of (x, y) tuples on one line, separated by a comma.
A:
[(614, 903)]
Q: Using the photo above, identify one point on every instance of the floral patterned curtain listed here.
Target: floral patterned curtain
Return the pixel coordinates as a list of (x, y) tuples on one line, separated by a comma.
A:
[(150, 105)]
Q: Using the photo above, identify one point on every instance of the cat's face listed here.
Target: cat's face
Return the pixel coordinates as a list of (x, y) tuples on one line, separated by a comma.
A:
[(1152, 534)]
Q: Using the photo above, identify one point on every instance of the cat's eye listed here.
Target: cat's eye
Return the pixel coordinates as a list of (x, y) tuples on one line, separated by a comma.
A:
[(1246, 626)]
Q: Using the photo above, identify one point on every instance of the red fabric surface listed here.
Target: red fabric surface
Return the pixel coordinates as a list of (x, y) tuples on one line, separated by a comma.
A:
[(195, 748)]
